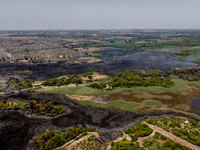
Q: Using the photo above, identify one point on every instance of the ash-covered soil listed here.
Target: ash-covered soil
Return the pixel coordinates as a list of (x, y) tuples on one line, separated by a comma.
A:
[(113, 62), (17, 129)]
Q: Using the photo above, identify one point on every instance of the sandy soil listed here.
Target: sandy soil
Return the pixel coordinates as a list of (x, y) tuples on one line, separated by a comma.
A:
[(84, 98)]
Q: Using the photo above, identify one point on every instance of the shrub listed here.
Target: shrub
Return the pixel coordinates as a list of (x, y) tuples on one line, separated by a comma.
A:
[(194, 123), (143, 130), (130, 130), (151, 143), (87, 74), (90, 77), (98, 86), (126, 145), (134, 138), (174, 145), (151, 121)]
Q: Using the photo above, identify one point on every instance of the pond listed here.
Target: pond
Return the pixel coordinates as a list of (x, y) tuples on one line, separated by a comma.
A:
[(195, 106)]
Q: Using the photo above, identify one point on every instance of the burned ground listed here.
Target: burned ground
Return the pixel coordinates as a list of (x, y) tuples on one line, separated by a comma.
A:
[(128, 60), (17, 128)]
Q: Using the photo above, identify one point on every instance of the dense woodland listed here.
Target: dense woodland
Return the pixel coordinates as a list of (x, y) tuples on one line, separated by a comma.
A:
[(136, 78)]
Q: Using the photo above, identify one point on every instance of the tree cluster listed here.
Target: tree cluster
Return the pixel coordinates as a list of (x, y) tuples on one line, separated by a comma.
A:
[(141, 130), (136, 79), (21, 83), (44, 107), (98, 86), (62, 81)]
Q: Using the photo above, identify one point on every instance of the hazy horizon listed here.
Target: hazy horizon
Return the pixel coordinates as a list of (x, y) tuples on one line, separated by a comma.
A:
[(99, 15)]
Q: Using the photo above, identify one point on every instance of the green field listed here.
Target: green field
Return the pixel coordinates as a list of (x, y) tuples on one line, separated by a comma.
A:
[(136, 98)]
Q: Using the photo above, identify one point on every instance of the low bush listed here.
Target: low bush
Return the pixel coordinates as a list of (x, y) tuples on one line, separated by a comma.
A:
[(133, 138), (98, 86), (130, 130), (79, 137), (159, 136), (151, 143), (87, 74), (126, 145), (169, 144)]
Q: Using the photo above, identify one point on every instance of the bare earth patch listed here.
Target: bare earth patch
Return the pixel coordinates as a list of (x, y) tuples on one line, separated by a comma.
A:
[(86, 98)]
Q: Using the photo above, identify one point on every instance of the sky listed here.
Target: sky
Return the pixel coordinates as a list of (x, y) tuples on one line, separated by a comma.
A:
[(99, 14)]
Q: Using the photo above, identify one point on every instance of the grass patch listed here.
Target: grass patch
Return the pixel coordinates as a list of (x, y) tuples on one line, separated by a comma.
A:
[(176, 97), (80, 90), (126, 106), (12, 104), (20, 72), (153, 103)]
